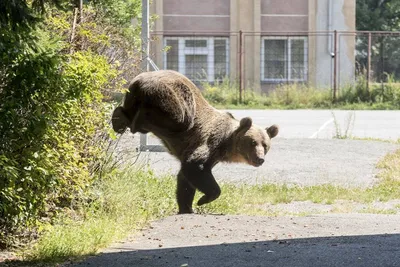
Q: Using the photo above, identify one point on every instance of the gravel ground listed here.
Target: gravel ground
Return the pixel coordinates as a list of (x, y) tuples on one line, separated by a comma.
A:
[(290, 161), (205, 240)]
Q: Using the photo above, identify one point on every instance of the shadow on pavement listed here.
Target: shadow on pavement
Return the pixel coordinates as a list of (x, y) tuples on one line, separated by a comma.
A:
[(367, 250)]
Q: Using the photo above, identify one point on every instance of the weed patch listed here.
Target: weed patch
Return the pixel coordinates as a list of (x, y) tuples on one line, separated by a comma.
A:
[(357, 96), (124, 201)]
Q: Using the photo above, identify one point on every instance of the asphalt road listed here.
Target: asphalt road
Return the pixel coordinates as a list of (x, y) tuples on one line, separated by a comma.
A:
[(380, 124), (321, 123), (290, 161), (303, 153), (363, 240)]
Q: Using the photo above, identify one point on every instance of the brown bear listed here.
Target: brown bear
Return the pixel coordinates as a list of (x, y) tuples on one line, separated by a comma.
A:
[(170, 106)]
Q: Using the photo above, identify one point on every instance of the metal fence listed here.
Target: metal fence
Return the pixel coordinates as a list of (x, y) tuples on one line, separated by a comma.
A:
[(378, 56), (264, 60)]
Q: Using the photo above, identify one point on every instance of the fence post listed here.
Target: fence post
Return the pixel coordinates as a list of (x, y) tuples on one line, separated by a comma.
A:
[(369, 60), (240, 67), (335, 65)]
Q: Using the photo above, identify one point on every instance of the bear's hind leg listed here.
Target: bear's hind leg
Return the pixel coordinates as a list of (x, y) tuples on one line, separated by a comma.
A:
[(202, 179), (184, 194)]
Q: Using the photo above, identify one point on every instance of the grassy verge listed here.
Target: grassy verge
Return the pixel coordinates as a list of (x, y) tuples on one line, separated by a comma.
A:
[(126, 201), (225, 95)]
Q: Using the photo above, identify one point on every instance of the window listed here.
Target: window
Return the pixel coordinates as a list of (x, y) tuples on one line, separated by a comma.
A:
[(284, 59), (199, 58)]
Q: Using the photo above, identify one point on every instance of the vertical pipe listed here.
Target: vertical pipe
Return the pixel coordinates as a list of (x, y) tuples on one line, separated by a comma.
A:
[(145, 53), (369, 60), (145, 35), (335, 65), (240, 67), (330, 23)]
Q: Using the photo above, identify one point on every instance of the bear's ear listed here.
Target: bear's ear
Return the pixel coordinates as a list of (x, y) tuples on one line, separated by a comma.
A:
[(245, 123), (272, 131)]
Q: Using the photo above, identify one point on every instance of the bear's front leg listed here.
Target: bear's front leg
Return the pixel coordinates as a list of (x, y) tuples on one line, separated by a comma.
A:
[(201, 178), (184, 194)]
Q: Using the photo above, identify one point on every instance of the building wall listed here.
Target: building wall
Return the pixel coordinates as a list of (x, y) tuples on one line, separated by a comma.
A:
[(333, 15), (227, 17), (284, 15), (247, 19), (196, 16), (279, 16)]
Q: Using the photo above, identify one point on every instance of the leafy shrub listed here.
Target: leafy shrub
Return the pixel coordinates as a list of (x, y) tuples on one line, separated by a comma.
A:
[(53, 123)]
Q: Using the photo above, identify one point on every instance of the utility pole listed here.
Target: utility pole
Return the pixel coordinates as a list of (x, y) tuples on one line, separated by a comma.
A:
[(145, 52), (145, 35), (240, 67)]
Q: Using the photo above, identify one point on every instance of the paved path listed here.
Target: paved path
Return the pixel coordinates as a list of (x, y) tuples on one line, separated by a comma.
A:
[(204, 240)]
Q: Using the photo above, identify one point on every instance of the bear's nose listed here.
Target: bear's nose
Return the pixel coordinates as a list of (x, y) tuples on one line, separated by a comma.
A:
[(260, 161)]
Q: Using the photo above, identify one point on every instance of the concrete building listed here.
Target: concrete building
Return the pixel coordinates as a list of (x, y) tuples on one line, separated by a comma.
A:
[(283, 41)]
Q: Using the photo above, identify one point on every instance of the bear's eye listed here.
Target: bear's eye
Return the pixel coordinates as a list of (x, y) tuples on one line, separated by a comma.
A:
[(265, 147), (253, 143)]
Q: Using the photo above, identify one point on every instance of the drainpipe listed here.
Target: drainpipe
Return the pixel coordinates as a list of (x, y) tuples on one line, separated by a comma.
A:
[(330, 23)]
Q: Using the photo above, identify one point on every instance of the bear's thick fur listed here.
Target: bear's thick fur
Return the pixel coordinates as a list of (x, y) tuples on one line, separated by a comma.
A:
[(170, 106)]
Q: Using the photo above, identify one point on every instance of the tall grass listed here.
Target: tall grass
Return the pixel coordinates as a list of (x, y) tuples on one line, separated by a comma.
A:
[(289, 96), (298, 96), (123, 202)]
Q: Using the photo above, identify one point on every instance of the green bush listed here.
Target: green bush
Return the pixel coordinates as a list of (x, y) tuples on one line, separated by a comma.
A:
[(53, 125)]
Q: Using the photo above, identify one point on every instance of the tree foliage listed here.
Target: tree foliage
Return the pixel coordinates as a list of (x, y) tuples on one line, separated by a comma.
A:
[(53, 118), (378, 15)]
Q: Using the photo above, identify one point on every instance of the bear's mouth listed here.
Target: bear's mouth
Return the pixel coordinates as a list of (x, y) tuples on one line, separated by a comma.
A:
[(255, 164), (252, 162)]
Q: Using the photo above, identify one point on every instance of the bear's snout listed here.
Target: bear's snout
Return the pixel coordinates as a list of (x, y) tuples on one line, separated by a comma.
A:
[(259, 161)]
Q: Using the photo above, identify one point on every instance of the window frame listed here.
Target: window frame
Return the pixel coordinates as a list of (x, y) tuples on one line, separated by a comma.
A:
[(287, 59), (208, 51)]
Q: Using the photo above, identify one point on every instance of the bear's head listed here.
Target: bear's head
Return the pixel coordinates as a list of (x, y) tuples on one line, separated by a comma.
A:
[(252, 142)]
